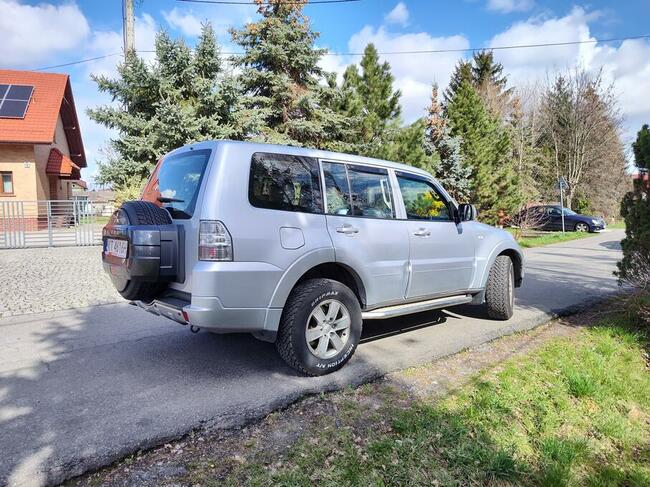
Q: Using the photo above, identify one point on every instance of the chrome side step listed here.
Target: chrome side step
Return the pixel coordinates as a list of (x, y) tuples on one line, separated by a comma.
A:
[(410, 308)]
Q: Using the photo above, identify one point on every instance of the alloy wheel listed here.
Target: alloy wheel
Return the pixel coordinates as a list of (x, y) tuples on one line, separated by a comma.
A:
[(582, 227), (328, 329)]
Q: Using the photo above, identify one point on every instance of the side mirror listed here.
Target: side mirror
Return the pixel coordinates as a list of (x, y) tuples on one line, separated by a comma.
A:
[(466, 212)]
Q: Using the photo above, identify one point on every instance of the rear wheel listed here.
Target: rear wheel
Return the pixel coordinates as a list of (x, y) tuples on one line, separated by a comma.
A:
[(141, 213), (320, 327), (500, 289)]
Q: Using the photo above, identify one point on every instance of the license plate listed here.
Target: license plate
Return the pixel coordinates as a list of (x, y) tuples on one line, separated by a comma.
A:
[(118, 248)]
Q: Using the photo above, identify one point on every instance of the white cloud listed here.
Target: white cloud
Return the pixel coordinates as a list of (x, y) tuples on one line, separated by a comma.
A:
[(626, 67), (399, 15), (222, 18), (32, 34), (186, 22), (414, 73), (507, 6)]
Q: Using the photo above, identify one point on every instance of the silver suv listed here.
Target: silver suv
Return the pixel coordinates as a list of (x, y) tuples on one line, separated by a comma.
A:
[(300, 247)]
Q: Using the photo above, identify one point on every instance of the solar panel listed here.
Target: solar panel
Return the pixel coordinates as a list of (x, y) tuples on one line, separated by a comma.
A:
[(19, 92), (13, 109), (14, 100)]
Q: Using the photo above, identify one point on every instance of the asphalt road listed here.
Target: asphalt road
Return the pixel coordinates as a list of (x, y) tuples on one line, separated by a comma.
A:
[(82, 388)]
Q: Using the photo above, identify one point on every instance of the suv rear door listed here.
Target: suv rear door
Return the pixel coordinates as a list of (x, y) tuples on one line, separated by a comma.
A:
[(361, 220), (441, 251)]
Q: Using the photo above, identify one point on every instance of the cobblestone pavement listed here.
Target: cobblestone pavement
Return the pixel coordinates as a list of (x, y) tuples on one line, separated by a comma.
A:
[(37, 280)]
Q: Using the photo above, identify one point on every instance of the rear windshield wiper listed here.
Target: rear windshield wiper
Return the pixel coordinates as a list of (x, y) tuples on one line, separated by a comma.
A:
[(165, 199)]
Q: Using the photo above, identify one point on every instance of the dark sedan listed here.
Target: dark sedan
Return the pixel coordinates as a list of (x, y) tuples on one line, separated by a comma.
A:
[(549, 217)]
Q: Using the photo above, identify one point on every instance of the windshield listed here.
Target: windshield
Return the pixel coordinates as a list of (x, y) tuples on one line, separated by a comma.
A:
[(568, 212), (175, 183)]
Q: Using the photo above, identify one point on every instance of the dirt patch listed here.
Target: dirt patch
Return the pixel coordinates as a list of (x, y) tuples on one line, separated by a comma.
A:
[(212, 457)]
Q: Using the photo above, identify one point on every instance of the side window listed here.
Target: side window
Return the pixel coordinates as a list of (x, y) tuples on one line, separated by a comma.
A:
[(422, 200), (357, 191), (337, 190), (284, 182), (370, 189), (554, 211)]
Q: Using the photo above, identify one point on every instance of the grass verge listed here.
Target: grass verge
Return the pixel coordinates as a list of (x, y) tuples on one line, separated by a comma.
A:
[(547, 238), (574, 412)]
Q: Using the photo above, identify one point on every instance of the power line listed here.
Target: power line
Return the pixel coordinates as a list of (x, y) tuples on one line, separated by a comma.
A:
[(78, 62), (392, 53), (496, 48), (288, 2)]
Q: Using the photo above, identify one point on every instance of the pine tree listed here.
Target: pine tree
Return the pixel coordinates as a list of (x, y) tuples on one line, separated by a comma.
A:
[(487, 77), (462, 72), (451, 171), (370, 104), (405, 145), (486, 71), (280, 77), (183, 97), (485, 148)]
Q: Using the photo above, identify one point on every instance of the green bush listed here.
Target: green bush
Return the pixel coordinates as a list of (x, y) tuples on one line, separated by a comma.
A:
[(634, 268), (131, 190)]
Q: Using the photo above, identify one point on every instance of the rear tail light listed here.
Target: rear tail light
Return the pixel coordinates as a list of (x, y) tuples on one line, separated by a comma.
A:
[(214, 241)]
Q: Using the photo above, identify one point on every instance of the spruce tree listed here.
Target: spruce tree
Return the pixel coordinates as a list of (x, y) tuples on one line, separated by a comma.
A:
[(451, 171), (485, 148), (280, 78), (183, 97)]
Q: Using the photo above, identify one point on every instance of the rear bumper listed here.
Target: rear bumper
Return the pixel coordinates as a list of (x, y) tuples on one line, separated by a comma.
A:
[(209, 313)]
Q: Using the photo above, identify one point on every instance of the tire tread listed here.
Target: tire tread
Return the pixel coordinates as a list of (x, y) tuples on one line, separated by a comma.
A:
[(497, 299)]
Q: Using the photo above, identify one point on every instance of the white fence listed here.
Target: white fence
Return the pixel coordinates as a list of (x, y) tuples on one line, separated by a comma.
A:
[(50, 223)]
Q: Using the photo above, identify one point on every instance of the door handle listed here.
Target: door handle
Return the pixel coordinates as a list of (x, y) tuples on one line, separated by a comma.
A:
[(422, 232), (347, 229)]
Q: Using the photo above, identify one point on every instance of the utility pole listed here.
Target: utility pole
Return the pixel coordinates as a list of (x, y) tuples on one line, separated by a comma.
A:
[(561, 183), (128, 26)]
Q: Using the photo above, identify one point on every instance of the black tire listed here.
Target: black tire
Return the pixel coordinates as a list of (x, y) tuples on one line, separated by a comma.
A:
[(142, 213), (577, 226), (291, 341), (145, 213), (500, 289)]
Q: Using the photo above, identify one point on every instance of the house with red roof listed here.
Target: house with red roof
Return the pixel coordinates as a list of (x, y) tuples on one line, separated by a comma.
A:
[(41, 151)]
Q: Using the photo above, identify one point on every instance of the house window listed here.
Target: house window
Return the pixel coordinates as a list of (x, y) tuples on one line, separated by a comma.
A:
[(7, 186)]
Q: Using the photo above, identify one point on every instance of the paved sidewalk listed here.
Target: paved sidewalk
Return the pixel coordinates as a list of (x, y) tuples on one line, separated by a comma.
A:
[(51, 279)]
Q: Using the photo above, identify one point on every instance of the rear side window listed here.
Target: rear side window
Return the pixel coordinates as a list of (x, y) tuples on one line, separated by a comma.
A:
[(175, 183), (284, 182), (356, 190)]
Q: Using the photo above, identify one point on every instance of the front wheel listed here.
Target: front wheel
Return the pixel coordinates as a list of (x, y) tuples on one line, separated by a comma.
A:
[(320, 327), (500, 289), (581, 227)]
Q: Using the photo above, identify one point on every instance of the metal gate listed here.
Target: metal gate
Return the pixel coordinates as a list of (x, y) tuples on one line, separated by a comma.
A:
[(49, 223)]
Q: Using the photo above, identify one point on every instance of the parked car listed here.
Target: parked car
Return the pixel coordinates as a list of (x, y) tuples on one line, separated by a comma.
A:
[(549, 217), (299, 246)]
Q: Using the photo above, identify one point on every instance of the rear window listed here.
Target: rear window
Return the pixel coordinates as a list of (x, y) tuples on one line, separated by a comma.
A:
[(175, 183), (284, 182)]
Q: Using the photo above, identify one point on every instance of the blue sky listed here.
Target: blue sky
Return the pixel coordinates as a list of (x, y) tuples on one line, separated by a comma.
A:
[(38, 34)]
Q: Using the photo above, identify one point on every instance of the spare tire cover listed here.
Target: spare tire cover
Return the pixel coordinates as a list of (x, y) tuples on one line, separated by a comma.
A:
[(141, 213)]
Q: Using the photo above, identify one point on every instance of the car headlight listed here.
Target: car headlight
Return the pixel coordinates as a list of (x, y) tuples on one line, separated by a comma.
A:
[(594, 221)]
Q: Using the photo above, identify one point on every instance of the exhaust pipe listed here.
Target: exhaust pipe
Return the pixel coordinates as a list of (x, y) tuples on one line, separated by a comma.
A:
[(194, 329)]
